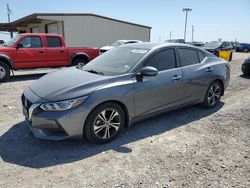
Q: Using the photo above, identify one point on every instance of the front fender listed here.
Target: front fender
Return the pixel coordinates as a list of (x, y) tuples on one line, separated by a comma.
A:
[(6, 59)]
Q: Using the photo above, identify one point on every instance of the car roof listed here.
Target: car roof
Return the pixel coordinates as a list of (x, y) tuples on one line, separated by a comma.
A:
[(128, 41), (39, 34), (150, 46)]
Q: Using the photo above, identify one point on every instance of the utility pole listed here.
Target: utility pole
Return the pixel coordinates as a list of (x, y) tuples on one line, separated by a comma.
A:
[(192, 33), (186, 10), (170, 35), (8, 13)]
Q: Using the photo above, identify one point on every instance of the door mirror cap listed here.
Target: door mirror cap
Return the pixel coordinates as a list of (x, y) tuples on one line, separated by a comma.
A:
[(19, 45), (149, 71)]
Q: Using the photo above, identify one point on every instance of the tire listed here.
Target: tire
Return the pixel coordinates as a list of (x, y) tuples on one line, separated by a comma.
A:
[(245, 50), (79, 62), (99, 128), (244, 70), (4, 72), (213, 95), (231, 56)]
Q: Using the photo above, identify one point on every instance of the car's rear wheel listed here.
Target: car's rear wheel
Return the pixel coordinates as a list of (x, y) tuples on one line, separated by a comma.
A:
[(104, 123), (4, 72), (245, 50), (213, 95), (79, 62)]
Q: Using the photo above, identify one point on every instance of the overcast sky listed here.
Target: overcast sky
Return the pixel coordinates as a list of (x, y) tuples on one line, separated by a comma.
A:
[(212, 19)]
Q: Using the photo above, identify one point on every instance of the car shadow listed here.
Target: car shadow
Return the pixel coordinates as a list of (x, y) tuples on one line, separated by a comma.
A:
[(245, 76), (26, 77), (18, 145)]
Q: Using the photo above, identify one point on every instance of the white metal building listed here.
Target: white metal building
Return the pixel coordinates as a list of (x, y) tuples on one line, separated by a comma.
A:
[(80, 30)]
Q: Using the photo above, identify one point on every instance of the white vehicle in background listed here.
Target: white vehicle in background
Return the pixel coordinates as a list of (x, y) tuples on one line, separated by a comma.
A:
[(118, 43)]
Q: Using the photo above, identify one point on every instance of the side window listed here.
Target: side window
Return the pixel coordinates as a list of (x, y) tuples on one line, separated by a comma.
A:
[(163, 60), (188, 56), (53, 42), (32, 42), (201, 56)]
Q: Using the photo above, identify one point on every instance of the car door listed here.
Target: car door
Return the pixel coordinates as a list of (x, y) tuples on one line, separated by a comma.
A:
[(196, 74), (57, 53), (162, 91), (30, 53)]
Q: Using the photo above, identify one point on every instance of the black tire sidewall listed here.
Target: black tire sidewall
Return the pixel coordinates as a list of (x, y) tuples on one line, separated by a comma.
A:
[(7, 71), (78, 60), (89, 128), (205, 102)]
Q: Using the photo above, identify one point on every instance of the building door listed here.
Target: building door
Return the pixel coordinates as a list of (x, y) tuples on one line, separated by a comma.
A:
[(52, 28)]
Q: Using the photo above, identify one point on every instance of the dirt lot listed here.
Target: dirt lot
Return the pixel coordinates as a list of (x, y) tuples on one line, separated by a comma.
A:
[(192, 147)]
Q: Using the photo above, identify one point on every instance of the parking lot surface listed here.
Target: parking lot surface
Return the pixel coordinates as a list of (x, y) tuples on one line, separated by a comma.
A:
[(192, 147)]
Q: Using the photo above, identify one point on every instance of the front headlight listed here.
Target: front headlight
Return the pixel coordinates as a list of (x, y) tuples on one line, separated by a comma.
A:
[(63, 105)]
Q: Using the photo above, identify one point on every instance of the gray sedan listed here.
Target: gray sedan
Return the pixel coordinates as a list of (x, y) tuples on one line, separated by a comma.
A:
[(124, 85)]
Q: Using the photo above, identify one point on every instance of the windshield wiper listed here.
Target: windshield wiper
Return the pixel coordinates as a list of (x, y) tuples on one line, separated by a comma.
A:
[(95, 72)]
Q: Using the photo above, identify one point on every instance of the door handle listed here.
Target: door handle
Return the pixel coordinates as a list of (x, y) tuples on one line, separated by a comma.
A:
[(176, 78), (209, 69), (61, 51), (40, 51)]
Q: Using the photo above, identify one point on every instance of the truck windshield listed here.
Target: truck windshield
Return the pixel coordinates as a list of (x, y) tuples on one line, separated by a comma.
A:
[(12, 41), (116, 61)]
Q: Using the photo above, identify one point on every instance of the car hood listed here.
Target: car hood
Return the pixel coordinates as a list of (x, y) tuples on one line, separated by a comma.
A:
[(106, 48), (68, 83)]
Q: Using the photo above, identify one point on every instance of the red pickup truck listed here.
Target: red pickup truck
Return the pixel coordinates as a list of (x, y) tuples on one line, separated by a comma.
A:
[(40, 50)]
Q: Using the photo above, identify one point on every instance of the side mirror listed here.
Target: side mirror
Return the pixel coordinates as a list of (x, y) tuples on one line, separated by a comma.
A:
[(146, 71), (149, 71), (19, 45)]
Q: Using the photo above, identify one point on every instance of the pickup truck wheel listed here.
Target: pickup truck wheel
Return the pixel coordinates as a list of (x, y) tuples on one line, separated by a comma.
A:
[(79, 62), (4, 72)]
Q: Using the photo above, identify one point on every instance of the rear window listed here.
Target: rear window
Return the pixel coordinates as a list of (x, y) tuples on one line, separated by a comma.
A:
[(53, 42), (188, 56), (201, 56)]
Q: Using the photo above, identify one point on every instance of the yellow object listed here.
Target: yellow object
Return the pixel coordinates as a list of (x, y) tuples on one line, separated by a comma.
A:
[(226, 54)]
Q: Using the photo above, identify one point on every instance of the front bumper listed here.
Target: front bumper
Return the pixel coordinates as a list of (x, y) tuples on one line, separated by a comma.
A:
[(54, 125)]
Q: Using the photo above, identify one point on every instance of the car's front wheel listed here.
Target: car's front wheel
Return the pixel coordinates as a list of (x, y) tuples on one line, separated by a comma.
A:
[(104, 123), (213, 95), (4, 72)]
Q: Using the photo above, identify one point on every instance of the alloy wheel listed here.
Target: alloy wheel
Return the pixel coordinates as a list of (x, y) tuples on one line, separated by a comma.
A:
[(2, 72), (107, 124), (214, 94)]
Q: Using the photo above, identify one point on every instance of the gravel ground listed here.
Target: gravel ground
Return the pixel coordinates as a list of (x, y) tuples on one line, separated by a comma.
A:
[(192, 147)]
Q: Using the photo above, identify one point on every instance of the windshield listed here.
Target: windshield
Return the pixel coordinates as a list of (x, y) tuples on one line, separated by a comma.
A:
[(213, 44), (116, 61), (117, 43), (12, 41)]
